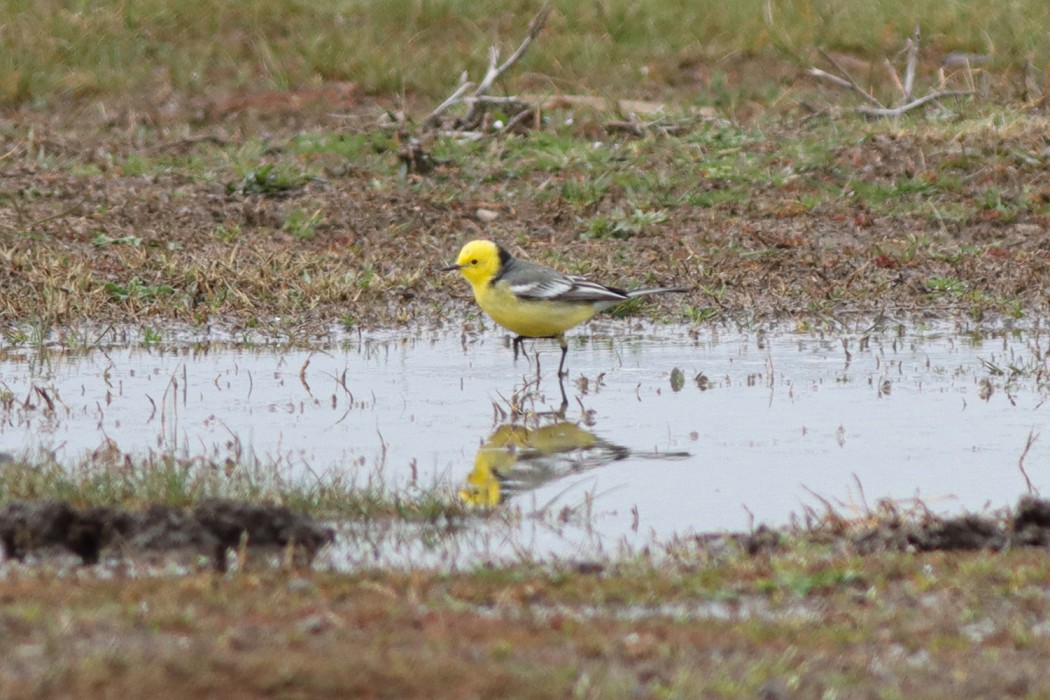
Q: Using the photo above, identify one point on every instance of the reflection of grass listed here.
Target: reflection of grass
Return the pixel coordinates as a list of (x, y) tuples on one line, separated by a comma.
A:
[(1021, 371)]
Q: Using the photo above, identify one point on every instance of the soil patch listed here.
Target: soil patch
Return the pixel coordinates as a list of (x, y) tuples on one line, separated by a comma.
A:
[(211, 529), (295, 227)]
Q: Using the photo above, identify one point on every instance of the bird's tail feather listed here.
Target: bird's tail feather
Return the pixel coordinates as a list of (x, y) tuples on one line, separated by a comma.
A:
[(655, 290)]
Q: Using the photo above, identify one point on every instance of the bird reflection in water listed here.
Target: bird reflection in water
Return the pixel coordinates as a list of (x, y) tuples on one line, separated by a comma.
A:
[(518, 458)]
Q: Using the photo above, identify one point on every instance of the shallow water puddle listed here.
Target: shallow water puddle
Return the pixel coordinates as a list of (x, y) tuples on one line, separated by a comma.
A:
[(752, 426)]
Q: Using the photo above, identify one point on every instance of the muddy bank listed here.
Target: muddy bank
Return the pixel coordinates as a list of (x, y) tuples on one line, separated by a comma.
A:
[(211, 529), (887, 530), (216, 526)]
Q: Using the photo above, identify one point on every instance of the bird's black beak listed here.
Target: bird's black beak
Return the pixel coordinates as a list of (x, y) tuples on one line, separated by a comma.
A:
[(449, 268)]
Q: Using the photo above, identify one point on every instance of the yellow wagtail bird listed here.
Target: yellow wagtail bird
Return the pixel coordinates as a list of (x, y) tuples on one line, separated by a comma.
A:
[(533, 300)]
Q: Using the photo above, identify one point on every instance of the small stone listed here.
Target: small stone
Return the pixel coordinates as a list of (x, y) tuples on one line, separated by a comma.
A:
[(314, 624)]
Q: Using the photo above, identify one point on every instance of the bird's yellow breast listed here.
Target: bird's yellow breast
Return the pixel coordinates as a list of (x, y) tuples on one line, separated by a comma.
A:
[(532, 319)]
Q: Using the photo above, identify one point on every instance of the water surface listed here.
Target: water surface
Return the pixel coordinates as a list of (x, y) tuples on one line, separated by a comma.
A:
[(754, 426)]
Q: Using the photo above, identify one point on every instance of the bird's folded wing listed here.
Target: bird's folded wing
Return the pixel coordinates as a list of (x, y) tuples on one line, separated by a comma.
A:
[(563, 288)]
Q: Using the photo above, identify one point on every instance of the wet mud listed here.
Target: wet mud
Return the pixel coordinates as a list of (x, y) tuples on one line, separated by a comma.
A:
[(1029, 526), (211, 529), (216, 527)]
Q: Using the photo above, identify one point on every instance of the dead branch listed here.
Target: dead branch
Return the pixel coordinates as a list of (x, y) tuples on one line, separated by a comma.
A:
[(493, 72), (522, 117), (638, 128), (824, 75), (629, 127), (849, 79), (463, 136), (492, 101), (913, 60), (905, 87), (892, 72), (477, 105), (897, 111), (456, 96)]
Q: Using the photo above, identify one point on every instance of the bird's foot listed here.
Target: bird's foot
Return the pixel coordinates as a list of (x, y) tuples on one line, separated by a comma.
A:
[(519, 347)]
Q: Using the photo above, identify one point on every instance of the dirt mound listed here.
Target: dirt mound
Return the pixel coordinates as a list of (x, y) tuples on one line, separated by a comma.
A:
[(1029, 527), (212, 528)]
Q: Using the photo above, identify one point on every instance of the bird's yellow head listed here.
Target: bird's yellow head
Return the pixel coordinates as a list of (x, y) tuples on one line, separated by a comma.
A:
[(480, 261)]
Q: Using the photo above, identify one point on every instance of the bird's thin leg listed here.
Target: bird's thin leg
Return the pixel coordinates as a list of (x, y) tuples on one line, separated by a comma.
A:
[(518, 347), (564, 398)]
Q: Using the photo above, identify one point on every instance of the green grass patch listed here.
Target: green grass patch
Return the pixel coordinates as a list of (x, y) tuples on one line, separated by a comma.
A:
[(302, 224), (109, 478), (53, 49), (138, 291), (946, 285), (269, 180), (621, 224)]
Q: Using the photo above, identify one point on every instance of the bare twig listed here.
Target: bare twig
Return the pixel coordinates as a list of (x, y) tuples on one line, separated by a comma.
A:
[(492, 101), (535, 27), (22, 226), (495, 71), (628, 126), (906, 88), (897, 111), (474, 95), (913, 60), (639, 128), (851, 82), (824, 75), (464, 86), (521, 117), (888, 64)]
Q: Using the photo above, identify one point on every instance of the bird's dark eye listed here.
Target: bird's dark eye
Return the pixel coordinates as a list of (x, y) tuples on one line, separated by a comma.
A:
[(474, 261)]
